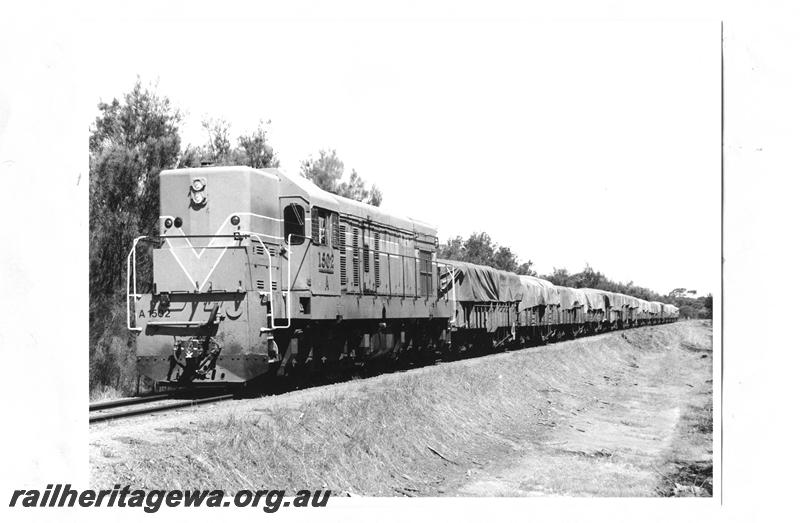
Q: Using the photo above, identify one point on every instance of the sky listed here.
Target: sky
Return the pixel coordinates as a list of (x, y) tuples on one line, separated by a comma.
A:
[(572, 142)]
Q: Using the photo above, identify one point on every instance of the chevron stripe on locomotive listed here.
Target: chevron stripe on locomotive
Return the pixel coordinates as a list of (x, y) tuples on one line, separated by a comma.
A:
[(257, 273)]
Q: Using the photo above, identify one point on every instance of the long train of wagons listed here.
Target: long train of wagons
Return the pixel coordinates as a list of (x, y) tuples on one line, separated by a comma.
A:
[(257, 273)]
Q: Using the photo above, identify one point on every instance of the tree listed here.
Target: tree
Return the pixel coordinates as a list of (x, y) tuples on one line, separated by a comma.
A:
[(327, 170), (480, 249), (130, 142), (356, 190), (708, 303), (592, 279), (526, 268), (219, 143), (192, 156), (452, 250), (257, 151), (559, 277), (253, 149)]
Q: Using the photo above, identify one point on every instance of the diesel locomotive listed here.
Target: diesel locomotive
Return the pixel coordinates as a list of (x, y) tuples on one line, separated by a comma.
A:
[(259, 273)]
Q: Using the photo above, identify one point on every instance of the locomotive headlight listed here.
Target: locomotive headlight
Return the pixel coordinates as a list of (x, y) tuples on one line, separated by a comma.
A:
[(235, 220), (168, 223), (198, 197), (197, 193), (178, 222)]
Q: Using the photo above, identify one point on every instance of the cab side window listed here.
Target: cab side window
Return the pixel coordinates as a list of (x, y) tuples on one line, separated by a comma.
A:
[(323, 229), (319, 226), (425, 273), (294, 223)]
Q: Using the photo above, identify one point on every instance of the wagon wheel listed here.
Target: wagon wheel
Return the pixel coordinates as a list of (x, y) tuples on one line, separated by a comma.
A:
[(571, 332), (540, 336)]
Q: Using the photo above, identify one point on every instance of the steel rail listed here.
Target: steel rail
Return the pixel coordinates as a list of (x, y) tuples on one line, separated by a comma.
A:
[(107, 416), (124, 402)]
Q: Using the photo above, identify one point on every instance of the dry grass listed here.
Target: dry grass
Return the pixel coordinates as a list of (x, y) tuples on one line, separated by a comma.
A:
[(689, 471), (689, 464), (413, 433), (104, 393)]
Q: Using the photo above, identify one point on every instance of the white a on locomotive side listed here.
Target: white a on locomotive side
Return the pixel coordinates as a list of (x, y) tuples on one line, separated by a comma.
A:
[(258, 272)]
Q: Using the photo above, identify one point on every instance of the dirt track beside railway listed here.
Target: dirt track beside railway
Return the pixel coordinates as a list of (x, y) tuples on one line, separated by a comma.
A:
[(621, 414)]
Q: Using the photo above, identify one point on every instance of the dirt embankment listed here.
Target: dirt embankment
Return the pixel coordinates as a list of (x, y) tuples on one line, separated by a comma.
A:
[(622, 414)]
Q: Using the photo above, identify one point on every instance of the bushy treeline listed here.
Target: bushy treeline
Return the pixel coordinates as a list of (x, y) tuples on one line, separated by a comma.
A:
[(480, 249), (131, 140), (690, 307), (593, 279)]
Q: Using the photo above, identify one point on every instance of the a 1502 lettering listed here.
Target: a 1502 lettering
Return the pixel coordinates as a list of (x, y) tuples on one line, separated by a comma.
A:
[(325, 262), (155, 314)]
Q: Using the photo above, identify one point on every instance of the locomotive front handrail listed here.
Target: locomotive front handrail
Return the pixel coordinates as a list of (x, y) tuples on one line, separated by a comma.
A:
[(188, 323), (173, 236), (132, 261), (131, 268)]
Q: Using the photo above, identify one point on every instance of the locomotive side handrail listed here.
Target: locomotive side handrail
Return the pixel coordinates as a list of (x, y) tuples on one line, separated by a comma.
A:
[(415, 293), (288, 291), (271, 318)]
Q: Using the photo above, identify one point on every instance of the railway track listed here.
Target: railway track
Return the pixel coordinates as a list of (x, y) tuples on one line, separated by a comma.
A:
[(131, 407)]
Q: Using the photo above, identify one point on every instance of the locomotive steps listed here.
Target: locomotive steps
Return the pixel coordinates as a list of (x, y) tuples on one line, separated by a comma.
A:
[(625, 413)]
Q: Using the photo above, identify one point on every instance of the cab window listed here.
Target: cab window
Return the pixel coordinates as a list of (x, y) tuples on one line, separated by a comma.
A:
[(294, 223), (319, 226), (323, 229)]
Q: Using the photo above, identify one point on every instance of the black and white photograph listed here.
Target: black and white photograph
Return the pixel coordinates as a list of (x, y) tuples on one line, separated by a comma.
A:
[(338, 261)]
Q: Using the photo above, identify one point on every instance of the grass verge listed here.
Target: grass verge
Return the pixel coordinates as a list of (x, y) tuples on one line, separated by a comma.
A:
[(690, 466)]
